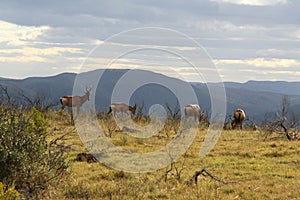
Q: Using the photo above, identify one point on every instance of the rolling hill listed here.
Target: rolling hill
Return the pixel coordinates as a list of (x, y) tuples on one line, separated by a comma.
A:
[(256, 97)]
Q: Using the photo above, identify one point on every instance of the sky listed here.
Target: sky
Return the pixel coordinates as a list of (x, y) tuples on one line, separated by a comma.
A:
[(240, 40)]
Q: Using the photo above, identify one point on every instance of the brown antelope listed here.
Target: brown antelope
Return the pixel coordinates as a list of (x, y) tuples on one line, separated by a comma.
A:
[(192, 110), (75, 101), (238, 117), (121, 107)]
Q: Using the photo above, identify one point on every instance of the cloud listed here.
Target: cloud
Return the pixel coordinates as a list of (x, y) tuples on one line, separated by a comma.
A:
[(30, 51), (238, 34), (261, 62), (24, 44), (22, 59), (14, 34), (253, 2)]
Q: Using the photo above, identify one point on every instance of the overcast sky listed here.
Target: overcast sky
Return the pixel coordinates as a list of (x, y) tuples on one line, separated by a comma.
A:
[(246, 39)]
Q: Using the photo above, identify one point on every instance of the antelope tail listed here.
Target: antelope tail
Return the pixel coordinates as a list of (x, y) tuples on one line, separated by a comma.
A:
[(61, 100), (109, 110)]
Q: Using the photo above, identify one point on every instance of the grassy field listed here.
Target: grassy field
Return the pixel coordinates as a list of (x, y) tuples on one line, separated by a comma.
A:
[(251, 167)]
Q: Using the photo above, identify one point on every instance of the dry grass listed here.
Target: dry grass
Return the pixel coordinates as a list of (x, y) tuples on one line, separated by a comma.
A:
[(252, 168)]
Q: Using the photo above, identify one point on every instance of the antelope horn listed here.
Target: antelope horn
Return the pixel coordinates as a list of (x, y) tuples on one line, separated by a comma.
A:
[(88, 88)]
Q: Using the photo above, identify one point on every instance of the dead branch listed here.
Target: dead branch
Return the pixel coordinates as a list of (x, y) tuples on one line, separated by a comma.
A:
[(203, 172), (173, 113), (283, 123), (6, 95), (285, 131), (39, 101), (167, 172), (54, 141)]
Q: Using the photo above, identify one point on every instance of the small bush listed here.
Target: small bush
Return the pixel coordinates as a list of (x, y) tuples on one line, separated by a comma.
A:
[(124, 140), (27, 160), (9, 194)]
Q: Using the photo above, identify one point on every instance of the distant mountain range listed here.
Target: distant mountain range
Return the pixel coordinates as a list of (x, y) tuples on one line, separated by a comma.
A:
[(256, 97), (281, 87)]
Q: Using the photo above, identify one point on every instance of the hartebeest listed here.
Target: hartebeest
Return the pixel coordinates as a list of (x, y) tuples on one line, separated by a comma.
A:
[(121, 107), (192, 110), (75, 101), (238, 117)]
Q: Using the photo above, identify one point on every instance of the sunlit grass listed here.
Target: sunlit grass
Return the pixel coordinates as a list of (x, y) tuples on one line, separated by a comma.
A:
[(253, 169)]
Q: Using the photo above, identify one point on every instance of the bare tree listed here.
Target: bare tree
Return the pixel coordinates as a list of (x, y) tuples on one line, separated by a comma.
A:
[(139, 110), (283, 123), (204, 119), (251, 125), (109, 124), (5, 96), (139, 116), (227, 122), (175, 168), (173, 113), (39, 101)]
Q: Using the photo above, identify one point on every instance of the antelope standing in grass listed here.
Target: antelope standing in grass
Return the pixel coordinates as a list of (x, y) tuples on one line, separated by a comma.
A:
[(121, 107), (238, 117), (75, 101), (192, 110)]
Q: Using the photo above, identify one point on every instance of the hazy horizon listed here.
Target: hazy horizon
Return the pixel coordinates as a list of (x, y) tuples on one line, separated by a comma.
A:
[(53, 75)]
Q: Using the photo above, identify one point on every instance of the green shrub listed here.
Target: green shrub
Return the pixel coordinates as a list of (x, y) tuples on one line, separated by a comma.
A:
[(27, 160), (8, 194)]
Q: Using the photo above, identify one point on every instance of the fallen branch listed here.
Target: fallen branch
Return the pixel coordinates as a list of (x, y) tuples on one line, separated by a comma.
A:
[(54, 141), (203, 172), (285, 131)]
